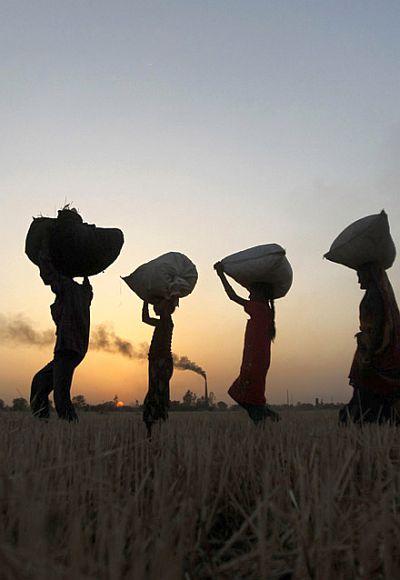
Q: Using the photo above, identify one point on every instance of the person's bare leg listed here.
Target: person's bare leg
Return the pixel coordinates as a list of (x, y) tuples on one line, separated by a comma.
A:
[(65, 364), (42, 385)]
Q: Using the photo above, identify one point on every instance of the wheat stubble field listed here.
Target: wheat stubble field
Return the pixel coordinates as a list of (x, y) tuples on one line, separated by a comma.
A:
[(209, 497)]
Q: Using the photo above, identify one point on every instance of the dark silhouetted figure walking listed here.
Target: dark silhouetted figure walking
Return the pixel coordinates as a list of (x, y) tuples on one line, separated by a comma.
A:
[(248, 390), (375, 372), (71, 315), (161, 366)]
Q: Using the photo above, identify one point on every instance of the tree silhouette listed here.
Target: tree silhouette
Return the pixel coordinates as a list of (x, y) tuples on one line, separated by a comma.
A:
[(79, 401), (20, 404), (189, 399)]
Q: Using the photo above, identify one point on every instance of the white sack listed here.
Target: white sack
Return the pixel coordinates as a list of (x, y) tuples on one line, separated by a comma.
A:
[(267, 263), (171, 274), (367, 240)]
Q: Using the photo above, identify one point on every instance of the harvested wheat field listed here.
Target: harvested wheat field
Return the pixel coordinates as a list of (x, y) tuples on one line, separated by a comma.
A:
[(209, 497)]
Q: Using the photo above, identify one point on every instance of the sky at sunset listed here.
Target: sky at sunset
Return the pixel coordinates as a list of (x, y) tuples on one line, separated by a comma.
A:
[(204, 127)]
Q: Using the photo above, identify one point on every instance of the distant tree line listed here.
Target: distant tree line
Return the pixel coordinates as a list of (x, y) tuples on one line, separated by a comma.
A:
[(190, 402)]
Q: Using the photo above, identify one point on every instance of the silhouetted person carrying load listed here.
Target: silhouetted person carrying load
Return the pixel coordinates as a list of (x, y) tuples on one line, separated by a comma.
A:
[(367, 247), (161, 366), (266, 273), (375, 372), (65, 248), (248, 390), (71, 315), (161, 282)]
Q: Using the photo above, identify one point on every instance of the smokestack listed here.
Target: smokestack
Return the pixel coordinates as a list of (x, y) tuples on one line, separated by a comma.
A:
[(206, 390)]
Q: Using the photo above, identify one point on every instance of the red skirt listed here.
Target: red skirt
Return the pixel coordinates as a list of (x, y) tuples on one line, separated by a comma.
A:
[(249, 387)]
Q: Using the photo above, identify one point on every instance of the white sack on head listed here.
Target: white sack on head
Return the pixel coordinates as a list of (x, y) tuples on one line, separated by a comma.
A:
[(171, 274), (367, 240), (266, 263)]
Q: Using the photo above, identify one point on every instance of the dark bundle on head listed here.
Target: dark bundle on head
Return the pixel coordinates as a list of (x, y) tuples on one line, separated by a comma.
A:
[(76, 248), (69, 214)]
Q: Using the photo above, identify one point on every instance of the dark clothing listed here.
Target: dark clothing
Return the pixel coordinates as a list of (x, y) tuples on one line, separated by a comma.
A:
[(161, 342), (56, 375), (156, 403), (375, 372), (368, 407), (71, 314), (70, 310), (376, 364), (161, 368)]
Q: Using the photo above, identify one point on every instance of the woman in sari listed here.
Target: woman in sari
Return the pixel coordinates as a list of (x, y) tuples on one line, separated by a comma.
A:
[(375, 372), (161, 364), (248, 390)]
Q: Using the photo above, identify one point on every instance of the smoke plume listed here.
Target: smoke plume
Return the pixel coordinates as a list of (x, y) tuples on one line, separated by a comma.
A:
[(104, 338), (19, 330), (184, 364)]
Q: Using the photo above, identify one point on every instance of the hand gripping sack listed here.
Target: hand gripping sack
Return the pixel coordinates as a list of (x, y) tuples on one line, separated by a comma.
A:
[(76, 248), (266, 263), (171, 274), (367, 240)]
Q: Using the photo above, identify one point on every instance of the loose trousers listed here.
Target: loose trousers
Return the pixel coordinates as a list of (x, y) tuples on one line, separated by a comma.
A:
[(56, 375)]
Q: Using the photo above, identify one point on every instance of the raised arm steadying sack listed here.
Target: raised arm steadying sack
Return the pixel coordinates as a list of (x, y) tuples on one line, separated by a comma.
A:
[(146, 318), (218, 267)]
